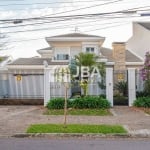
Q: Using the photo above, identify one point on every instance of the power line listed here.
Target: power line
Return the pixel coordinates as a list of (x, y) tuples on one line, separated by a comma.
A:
[(106, 27), (38, 23), (46, 16), (44, 36), (86, 16), (34, 24), (58, 27), (50, 22), (63, 20), (33, 29), (63, 26), (26, 40), (80, 17)]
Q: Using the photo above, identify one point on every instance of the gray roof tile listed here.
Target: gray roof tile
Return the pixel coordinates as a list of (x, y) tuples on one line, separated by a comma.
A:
[(130, 57), (47, 48), (107, 53), (36, 61), (75, 35)]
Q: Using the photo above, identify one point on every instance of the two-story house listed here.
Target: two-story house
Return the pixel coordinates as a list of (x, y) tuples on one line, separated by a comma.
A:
[(26, 75), (65, 47)]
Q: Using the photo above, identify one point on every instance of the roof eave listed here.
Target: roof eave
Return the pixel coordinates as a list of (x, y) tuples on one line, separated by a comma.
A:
[(25, 66), (44, 51), (49, 39), (134, 63)]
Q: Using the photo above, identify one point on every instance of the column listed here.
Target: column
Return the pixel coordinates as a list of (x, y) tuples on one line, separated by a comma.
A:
[(109, 85), (46, 86), (131, 86)]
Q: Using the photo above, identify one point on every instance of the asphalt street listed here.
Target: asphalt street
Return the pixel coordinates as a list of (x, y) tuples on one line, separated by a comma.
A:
[(73, 144)]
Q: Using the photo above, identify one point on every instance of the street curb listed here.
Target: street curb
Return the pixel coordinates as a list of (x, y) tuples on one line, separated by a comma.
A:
[(78, 135)]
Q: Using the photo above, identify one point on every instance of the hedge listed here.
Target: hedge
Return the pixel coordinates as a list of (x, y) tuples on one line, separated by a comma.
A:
[(86, 102)]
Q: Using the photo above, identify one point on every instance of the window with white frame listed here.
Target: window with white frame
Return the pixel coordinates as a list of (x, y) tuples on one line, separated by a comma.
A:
[(90, 49), (62, 56)]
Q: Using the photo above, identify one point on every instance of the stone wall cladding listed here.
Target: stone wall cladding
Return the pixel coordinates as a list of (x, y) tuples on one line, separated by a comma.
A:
[(119, 55)]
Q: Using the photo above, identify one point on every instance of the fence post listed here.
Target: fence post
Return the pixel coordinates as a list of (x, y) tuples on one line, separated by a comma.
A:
[(131, 85), (109, 85), (46, 85)]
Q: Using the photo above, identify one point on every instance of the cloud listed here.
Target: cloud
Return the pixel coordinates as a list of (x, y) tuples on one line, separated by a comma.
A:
[(56, 28)]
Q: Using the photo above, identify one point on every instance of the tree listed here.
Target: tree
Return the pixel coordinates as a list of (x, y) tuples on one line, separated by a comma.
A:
[(145, 73), (85, 59), (62, 75)]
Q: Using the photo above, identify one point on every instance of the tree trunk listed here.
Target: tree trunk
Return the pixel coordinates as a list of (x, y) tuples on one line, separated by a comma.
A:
[(65, 107)]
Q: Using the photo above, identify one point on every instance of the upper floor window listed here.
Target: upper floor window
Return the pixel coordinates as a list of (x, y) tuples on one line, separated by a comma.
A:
[(90, 49), (62, 56)]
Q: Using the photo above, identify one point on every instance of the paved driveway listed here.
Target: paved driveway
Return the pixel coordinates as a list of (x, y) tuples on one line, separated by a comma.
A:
[(16, 119)]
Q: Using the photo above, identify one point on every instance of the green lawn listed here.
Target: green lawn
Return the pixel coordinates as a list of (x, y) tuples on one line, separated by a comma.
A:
[(75, 128), (89, 112)]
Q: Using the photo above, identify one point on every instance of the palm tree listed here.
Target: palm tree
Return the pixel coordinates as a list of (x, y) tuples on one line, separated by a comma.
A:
[(85, 59)]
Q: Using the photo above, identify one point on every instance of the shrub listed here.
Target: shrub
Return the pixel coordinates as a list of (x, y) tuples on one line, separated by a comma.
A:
[(102, 96), (58, 103), (142, 94), (142, 102), (103, 103), (91, 102), (80, 103)]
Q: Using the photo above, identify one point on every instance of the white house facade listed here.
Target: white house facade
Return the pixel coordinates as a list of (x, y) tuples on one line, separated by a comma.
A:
[(30, 77)]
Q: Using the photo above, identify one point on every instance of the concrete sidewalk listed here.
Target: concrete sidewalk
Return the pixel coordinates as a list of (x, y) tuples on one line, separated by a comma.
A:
[(16, 119)]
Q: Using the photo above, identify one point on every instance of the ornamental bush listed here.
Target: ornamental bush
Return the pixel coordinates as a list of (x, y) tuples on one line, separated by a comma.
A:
[(87, 102), (57, 103), (91, 102), (145, 73), (142, 102)]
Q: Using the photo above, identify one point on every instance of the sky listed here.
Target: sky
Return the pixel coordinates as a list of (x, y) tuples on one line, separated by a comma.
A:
[(25, 38)]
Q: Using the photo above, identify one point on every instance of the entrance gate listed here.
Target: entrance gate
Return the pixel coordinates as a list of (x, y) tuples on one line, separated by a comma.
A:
[(120, 87)]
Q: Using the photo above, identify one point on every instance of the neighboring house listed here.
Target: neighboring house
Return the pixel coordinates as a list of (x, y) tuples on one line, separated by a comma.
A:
[(26, 75), (139, 42)]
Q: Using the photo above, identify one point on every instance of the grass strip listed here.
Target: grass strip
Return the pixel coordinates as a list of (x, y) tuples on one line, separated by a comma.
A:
[(75, 128), (89, 112)]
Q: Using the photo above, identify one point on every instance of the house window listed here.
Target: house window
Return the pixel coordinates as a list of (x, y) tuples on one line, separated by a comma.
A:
[(62, 56), (90, 49)]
